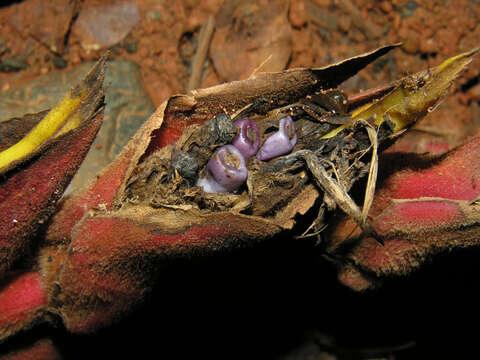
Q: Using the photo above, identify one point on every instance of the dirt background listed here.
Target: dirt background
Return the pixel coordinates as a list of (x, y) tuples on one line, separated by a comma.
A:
[(266, 310)]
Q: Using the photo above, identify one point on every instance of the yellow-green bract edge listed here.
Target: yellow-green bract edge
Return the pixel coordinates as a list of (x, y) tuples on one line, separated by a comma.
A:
[(413, 98), (45, 129)]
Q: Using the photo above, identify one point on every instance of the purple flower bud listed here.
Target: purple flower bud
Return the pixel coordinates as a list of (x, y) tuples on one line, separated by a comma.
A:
[(280, 143), (226, 170), (248, 140)]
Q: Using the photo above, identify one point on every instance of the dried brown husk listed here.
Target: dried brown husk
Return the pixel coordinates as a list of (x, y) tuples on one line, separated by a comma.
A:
[(276, 190)]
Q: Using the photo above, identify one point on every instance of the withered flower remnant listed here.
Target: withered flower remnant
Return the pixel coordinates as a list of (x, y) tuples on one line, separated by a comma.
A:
[(186, 165), (221, 129)]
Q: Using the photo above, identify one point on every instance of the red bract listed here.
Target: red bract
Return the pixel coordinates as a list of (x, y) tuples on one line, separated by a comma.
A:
[(423, 207), (23, 301), (31, 185)]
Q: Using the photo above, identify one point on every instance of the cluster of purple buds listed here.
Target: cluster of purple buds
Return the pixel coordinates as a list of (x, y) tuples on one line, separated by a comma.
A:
[(227, 171)]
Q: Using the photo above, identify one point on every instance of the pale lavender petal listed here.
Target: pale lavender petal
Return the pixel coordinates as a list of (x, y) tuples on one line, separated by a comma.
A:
[(209, 185), (227, 170), (248, 139), (280, 143)]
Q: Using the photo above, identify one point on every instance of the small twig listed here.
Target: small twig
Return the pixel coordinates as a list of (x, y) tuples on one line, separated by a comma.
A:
[(334, 169), (372, 174), (315, 223), (259, 67), (338, 194), (306, 233), (201, 54), (239, 111), (358, 156), (368, 96), (332, 187)]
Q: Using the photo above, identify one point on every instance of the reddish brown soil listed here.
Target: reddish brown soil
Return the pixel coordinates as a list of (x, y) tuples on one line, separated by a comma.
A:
[(324, 31)]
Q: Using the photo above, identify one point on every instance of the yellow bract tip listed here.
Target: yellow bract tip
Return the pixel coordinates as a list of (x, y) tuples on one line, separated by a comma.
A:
[(413, 98), (45, 129)]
